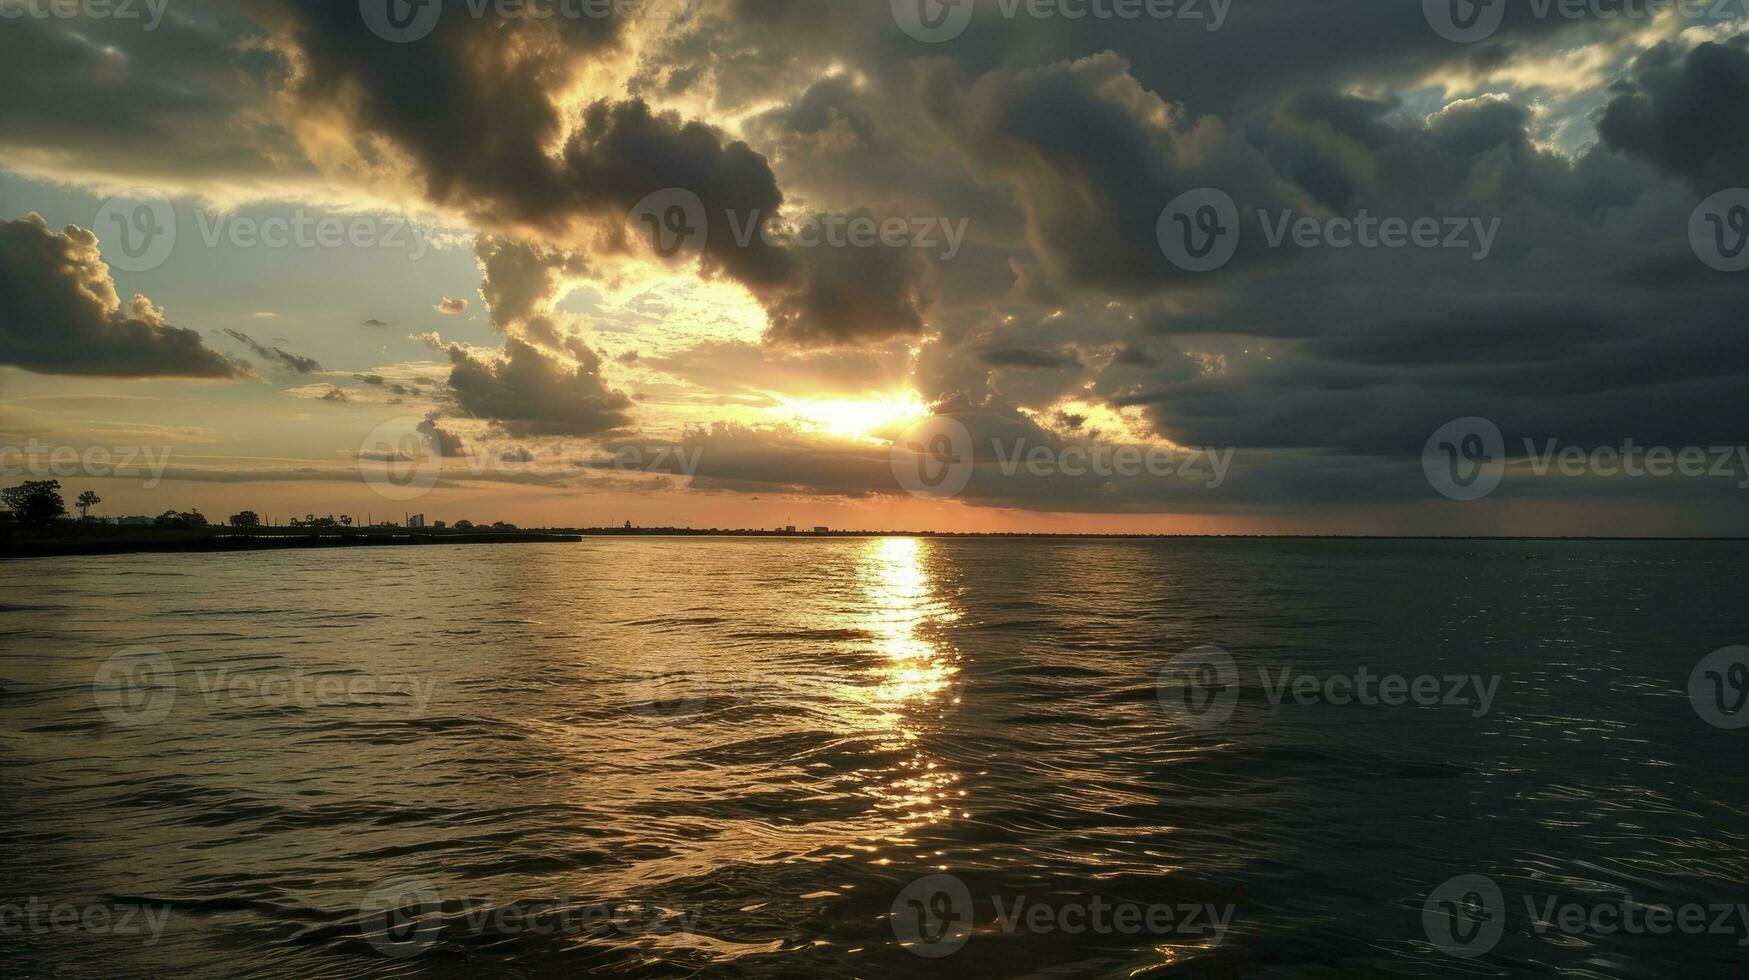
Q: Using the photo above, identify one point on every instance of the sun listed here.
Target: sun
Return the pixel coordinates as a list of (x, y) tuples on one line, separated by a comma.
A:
[(856, 418)]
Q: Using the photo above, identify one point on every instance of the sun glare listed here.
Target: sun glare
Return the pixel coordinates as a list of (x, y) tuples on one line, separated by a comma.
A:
[(855, 418)]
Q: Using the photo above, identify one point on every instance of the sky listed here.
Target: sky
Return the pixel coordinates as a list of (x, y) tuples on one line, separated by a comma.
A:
[(1163, 266)]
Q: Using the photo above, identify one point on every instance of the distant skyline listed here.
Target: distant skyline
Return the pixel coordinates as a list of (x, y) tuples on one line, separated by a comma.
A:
[(706, 263)]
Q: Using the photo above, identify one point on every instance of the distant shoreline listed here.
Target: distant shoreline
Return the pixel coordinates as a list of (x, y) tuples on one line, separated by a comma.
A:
[(109, 539), (1114, 536)]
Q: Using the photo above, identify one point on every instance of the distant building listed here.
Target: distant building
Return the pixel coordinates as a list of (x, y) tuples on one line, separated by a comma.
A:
[(416, 521), (821, 529), (439, 525), (789, 529)]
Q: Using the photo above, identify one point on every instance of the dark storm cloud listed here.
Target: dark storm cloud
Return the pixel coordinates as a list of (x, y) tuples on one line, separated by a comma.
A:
[(1093, 158), (472, 102), (529, 393), (625, 152), (1023, 357), (443, 441), (521, 280), (295, 363), (59, 313), (814, 296), (495, 81), (1566, 329), (1686, 113), (849, 295), (99, 95), (1061, 141)]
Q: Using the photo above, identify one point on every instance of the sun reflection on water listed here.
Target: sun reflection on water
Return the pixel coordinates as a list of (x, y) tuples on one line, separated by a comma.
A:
[(914, 674)]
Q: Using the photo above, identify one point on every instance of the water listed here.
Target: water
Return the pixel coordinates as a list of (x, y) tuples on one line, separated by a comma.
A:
[(733, 757)]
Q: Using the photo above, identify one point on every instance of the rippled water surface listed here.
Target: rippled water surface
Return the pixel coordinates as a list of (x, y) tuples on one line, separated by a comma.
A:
[(739, 755)]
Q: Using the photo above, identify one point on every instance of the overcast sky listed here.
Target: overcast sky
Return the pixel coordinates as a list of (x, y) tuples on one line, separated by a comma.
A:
[(1235, 266)]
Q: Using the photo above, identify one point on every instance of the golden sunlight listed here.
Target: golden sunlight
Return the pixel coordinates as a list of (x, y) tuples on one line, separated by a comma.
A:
[(854, 418)]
